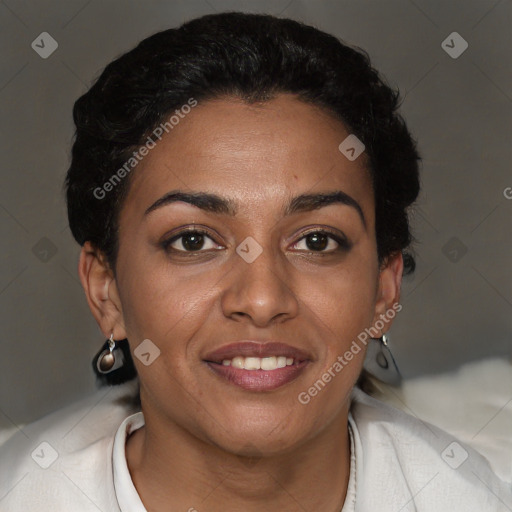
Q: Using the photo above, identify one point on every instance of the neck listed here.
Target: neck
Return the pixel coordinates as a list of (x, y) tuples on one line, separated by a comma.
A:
[(174, 470)]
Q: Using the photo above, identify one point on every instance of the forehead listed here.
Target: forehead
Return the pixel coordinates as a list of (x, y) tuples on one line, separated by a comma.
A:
[(258, 154)]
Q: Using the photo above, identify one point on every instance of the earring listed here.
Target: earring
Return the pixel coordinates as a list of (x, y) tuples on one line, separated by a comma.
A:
[(113, 363), (106, 360), (381, 363)]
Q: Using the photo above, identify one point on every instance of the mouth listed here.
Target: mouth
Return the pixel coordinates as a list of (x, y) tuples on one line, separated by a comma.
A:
[(257, 366)]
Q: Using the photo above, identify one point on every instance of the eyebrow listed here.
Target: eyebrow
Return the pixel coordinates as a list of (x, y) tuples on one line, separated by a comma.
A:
[(214, 203)]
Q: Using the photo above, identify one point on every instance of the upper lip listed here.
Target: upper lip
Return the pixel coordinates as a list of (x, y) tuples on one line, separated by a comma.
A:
[(251, 348)]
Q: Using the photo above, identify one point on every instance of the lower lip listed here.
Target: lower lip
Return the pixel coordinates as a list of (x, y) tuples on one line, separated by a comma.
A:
[(258, 380)]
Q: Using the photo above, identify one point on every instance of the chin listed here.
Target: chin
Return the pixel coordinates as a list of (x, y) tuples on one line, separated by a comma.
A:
[(259, 438), (253, 447)]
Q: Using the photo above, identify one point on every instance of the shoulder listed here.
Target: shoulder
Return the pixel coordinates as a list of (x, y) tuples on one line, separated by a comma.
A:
[(471, 402), (64, 459), (404, 463)]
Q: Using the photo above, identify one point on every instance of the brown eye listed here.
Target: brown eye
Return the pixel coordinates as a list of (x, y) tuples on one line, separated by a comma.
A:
[(193, 241), (319, 241), (189, 241)]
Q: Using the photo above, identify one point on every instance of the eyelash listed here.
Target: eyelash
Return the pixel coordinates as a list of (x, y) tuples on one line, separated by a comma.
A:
[(343, 243)]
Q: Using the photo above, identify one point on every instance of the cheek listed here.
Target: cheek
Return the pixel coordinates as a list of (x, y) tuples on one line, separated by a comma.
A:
[(344, 298), (342, 307), (169, 310), (159, 303)]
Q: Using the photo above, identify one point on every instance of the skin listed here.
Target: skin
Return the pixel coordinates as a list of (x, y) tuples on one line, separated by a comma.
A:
[(209, 444)]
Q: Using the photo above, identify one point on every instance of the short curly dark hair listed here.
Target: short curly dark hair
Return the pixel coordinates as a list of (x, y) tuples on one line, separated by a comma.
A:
[(249, 56)]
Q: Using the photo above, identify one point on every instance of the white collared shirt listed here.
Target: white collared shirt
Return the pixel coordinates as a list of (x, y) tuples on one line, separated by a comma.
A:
[(127, 496), (398, 463)]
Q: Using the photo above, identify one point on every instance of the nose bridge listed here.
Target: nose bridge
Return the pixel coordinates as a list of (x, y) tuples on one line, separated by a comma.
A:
[(260, 286)]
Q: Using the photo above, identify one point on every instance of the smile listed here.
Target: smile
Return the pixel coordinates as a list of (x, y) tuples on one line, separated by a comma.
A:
[(258, 380), (259, 363), (257, 366)]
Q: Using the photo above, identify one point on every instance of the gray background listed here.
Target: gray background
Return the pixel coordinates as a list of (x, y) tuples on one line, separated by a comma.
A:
[(458, 305)]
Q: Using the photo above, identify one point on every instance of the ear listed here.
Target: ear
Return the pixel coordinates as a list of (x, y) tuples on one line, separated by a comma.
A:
[(388, 293), (101, 291)]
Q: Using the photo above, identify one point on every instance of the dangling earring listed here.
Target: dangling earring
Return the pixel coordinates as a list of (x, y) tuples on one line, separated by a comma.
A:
[(381, 363), (113, 363), (106, 360)]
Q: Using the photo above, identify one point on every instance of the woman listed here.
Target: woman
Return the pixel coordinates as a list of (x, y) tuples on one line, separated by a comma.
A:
[(239, 187)]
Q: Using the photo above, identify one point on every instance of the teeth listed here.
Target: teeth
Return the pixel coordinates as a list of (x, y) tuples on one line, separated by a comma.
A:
[(269, 363), (238, 362), (252, 363), (257, 363)]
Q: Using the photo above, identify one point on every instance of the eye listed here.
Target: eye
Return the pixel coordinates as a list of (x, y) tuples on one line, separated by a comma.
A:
[(190, 240), (320, 240)]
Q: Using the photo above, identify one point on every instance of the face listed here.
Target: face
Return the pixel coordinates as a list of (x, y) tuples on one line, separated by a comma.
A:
[(253, 263)]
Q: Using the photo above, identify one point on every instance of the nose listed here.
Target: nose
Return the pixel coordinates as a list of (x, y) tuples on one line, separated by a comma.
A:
[(260, 292)]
